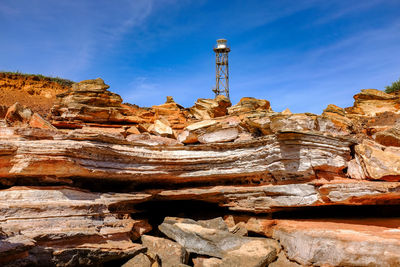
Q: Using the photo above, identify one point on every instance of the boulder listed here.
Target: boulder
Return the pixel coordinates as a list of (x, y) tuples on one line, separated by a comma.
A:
[(143, 260), (219, 136), (151, 140), (18, 115), (206, 262), (211, 131), (258, 123), (377, 162), (372, 101), (251, 254), (294, 122), (286, 112), (212, 242), (210, 108), (334, 121), (171, 253), (132, 130), (172, 114), (161, 128), (331, 108), (90, 102), (250, 104), (37, 121), (390, 137)]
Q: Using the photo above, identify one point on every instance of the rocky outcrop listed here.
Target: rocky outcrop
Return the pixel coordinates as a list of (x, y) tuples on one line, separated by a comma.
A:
[(389, 137), (170, 253), (269, 198), (333, 242), (85, 193), (376, 162), (250, 104), (289, 156), (90, 102), (48, 226), (232, 249), (371, 101), (205, 109)]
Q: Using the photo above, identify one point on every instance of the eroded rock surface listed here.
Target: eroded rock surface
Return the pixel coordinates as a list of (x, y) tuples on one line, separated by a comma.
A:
[(66, 227), (244, 160)]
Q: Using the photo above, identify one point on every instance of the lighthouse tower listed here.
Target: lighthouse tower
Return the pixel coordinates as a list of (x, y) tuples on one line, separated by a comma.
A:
[(221, 50)]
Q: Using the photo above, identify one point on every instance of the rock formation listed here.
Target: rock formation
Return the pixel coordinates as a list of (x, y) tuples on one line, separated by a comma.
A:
[(106, 183)]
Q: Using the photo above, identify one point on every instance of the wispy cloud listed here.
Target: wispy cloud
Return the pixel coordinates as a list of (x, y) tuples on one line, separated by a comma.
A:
[(76, 31)]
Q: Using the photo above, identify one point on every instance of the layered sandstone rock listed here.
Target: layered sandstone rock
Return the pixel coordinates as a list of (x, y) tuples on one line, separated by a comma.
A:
[(245, 160), (210, 108), (289, 156), (48, 226), (268, 198), (90, 102), (371, 101), (332, 242), (250, 104)]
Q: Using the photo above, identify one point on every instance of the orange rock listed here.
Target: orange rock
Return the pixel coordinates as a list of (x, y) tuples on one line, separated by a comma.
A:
[(371, 101), (390, 137), (37, 121), (132, 130), (286, 112), (210, 108), (250, 104), (18, 115)]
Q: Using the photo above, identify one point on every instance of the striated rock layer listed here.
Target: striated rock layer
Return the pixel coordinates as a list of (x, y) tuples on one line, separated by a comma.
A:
[(66, 227), (289, 156), (81, 189)]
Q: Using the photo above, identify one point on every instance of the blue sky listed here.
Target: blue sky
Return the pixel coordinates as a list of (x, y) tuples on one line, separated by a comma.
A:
[(302, 55)]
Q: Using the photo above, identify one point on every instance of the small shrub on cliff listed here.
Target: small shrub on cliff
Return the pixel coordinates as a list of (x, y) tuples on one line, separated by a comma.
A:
[(63, 82), (394, 87)]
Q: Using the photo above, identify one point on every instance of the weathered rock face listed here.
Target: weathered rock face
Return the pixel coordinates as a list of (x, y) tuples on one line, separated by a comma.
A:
[(244, 160), (390, 137), (290, 156), (232, 249), (335, 242), (90, 102), (250, 104), (267, 198), (171, 254), (63, 226), (205, 109), (18, 115), (372, 101), (376, 162)]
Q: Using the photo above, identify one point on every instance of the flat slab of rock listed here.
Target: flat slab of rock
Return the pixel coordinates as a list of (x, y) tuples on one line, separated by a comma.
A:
[(267, 198), (332, 242)]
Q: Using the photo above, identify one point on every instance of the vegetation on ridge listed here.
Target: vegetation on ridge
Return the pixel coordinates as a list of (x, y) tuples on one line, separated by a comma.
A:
[(394, 87), (61, 81)]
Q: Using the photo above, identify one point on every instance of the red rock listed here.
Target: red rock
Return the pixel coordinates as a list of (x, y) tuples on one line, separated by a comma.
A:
[(371, 101), (390, 137), (210, 108), (250, 104), (151, 140), (18, 115), (132, 130), (37, 121)]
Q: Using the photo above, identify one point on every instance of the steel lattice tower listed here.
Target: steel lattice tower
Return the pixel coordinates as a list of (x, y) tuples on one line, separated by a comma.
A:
[(222, 72)]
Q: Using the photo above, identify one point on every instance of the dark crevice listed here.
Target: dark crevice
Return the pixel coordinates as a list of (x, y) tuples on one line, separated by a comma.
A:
[(156, 211)]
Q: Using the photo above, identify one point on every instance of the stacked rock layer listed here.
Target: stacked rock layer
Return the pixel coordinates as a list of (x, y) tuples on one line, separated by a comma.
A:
[(84, 188)]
